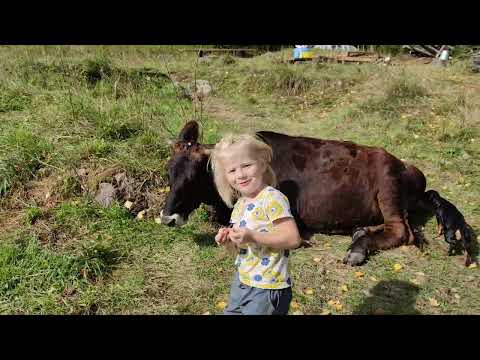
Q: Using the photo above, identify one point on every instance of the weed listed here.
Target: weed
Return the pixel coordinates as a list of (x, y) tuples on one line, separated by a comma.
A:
[(97, 259), (33, 213), (228, 59), (404, 89), (13, 100), (96, 148), (97, 69), (68, 185), (118, 130)]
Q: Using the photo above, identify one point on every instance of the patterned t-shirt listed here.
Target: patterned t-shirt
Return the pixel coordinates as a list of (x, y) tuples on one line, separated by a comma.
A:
[(261, 266)]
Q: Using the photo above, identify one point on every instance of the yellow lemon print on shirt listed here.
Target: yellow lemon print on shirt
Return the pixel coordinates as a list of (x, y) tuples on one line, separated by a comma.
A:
[(275, 277), (274, 209), (258, 214)]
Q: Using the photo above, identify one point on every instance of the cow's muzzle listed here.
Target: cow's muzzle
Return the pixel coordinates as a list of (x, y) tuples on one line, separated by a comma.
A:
[(172, 220)]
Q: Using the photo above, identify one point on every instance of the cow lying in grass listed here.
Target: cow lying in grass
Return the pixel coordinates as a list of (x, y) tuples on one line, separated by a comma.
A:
[(334, 187)]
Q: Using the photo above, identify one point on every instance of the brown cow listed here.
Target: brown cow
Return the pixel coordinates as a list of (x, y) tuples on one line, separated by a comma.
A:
[(334, 187)]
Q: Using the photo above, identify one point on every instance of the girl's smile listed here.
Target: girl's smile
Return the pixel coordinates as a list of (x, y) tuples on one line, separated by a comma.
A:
[(244, 183)]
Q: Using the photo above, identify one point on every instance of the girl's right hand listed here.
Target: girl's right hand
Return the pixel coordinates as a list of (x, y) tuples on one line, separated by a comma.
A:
[(222, 236)]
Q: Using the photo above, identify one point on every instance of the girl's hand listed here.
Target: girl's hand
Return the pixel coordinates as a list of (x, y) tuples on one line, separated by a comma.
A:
[(222, 236), (240, 236)]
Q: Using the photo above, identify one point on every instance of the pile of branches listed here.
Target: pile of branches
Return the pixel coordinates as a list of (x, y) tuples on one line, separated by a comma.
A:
[(427, 50)]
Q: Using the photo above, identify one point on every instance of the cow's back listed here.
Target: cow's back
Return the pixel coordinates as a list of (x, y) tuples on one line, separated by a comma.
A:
[(332, 185)]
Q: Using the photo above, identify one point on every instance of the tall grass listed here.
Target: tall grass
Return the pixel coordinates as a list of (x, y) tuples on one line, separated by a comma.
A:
[(21, 155)]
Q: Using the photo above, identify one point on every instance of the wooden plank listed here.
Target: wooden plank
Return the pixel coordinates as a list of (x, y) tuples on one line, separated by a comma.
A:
[(219, 50), (433, 50), (292, 61), (361, 53), (420, 49), (347, 59)]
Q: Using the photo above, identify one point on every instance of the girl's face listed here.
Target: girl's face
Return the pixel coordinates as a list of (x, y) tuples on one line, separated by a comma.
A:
[(244, 171)]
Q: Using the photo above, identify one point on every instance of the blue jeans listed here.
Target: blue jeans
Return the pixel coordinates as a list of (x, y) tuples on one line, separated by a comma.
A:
[(247, 300)]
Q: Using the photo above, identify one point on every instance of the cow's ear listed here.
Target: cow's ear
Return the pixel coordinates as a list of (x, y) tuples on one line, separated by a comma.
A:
[(189, 132)]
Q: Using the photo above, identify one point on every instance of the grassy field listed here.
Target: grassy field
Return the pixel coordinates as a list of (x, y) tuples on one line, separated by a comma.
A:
[(74, 116)]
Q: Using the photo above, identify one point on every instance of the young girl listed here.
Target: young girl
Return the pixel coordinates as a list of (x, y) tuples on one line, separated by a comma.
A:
[(261, 226)]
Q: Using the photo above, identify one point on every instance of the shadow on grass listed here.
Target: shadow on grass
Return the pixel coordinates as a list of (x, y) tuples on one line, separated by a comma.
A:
[(205, 239), (390, 298)]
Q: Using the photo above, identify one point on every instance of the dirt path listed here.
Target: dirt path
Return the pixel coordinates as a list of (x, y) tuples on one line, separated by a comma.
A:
[(220, 109), (294, 121)]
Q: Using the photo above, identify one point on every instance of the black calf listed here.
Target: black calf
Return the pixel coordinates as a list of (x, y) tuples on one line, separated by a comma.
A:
[(452, 225)]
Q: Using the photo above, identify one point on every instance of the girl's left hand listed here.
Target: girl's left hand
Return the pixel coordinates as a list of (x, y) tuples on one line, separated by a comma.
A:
[(240, 236)]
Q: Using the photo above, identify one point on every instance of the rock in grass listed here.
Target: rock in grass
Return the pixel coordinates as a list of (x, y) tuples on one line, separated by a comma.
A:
[(106, 194)]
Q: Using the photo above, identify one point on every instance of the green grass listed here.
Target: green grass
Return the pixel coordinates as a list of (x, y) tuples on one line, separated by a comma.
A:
[(21, 155), (69, 108), (32, 214)]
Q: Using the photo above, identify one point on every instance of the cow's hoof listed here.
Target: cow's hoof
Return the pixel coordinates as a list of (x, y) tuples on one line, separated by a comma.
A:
[(354, 258), (470, 260), (358, 233)]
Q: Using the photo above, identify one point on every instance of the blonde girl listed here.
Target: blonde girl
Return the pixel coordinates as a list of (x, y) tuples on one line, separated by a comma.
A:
[(261, 226)]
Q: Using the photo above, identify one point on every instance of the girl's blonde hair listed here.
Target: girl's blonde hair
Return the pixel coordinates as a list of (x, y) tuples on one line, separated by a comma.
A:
[(261, 151)]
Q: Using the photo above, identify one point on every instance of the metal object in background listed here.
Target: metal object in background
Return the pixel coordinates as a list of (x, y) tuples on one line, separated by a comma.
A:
[(476, 63)]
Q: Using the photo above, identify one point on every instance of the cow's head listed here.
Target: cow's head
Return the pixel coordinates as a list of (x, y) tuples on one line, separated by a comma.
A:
[(188, 177)]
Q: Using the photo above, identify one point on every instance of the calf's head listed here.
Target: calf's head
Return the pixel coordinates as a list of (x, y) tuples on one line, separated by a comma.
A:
[(434, 198), (189, 180)]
